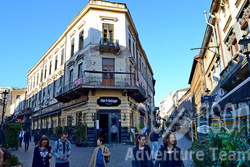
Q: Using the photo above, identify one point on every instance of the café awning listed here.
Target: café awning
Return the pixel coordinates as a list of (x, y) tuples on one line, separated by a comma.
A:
[(238, 94)]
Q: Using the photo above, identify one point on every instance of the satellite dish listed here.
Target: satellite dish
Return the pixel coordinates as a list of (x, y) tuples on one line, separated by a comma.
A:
[(38, 102), (58, 88), (216, 77)]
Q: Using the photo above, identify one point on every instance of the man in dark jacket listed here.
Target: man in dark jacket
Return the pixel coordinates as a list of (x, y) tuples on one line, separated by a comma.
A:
[(26, 139)]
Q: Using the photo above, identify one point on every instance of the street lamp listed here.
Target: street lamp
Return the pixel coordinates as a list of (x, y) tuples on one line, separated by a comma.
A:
[(245, 49), (4, 105)]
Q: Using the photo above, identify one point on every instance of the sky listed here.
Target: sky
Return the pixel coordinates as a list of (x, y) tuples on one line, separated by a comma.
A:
[(167, 31)]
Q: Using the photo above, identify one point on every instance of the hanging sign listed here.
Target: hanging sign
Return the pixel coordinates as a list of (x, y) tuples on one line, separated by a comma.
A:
[(108, 101)]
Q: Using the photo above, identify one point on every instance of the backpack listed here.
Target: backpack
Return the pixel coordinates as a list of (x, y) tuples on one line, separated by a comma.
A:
[(107, 159), (152, 136), (67, 145)]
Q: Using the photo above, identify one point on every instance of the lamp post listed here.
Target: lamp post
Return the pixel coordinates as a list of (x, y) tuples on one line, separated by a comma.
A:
[(245, 49), (4, 105)]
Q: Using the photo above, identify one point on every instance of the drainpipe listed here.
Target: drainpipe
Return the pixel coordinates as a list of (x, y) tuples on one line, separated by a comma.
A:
[(213, 28)]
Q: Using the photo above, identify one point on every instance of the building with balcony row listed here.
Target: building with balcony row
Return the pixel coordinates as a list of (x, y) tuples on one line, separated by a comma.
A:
[(95, 73), (224, 64), (220, 75)]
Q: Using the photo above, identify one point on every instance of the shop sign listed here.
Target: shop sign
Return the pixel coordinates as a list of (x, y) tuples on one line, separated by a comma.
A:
[(108, 101), (207, 99)]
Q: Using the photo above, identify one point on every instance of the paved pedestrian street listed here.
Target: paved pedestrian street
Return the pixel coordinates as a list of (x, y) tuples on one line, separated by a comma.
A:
[(80, 156)]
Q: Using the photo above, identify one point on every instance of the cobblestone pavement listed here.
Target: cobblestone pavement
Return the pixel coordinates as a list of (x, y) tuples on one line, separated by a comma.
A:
[(80, 156)]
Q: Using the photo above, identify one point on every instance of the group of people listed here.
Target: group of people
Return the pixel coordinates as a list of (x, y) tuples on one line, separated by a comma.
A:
[(168, 155), (62, 150)]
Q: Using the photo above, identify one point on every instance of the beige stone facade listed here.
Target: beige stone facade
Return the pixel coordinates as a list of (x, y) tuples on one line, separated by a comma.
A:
[(95, 73)]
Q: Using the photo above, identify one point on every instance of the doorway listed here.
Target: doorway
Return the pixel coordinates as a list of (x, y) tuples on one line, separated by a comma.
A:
[(108, 66), (109, 125), (103, 126)]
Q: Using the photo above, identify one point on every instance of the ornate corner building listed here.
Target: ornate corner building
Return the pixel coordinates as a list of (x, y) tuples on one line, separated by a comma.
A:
[(95, 73)]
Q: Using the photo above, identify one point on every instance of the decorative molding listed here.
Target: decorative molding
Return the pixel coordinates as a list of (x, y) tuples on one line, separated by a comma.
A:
[(71, 63), (50, 56), (79, 57), (73, 33), (229, 20), (62, 45), (81, 25), (54, 76), (61, 72), (56, 50), (237, 3), (115, 19)]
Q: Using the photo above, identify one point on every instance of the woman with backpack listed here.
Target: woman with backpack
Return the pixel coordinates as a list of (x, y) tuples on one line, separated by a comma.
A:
[(101, 155)]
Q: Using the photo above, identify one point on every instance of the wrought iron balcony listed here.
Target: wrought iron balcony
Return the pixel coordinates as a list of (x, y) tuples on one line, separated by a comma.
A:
[(107, 45), (102, 80)]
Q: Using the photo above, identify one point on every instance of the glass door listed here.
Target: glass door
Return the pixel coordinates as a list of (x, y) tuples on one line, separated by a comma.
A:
[(114, 127)]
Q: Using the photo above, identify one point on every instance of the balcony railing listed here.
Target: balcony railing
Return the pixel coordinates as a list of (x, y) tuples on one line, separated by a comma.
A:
[(108, 45), (104, 80)]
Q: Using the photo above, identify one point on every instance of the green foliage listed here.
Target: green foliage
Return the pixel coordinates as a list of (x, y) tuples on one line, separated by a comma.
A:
[(12, 135), (167, 123), (157, 125), (14, 161), (141, 126), (58, 131), (81, 133), (223, 149)]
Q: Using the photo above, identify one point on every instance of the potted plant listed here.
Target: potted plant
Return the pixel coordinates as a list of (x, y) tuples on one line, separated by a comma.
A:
[(14, 161), (80, 134)]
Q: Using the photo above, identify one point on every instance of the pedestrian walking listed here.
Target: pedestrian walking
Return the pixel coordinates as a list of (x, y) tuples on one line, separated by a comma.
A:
[(20, 137), (100, 154), (26, 140), (154, 136), (142, 153), (37, 137), (42, 153), (62, 150), (169, 154)]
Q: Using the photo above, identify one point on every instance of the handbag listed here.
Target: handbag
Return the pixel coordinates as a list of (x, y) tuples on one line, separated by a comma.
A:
[(107, 159)]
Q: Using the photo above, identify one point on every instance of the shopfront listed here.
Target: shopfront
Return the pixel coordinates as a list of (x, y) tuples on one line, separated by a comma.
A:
[(234, 106)]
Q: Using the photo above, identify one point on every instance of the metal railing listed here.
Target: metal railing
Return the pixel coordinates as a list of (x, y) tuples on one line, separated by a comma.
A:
[(109, 42), (102, 81)]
